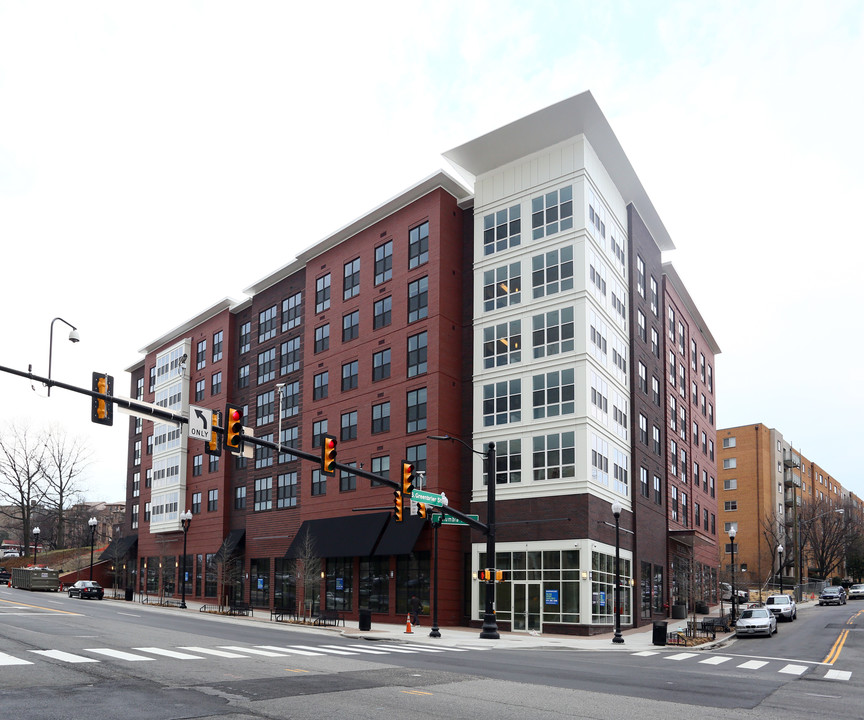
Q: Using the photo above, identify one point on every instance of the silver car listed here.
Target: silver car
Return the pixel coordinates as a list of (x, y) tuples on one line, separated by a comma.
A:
[(856, 592), (783, 607), (756, 621)]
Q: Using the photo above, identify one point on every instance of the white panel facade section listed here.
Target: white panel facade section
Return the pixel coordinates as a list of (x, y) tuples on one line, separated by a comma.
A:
[(534, 309), (170, 443)]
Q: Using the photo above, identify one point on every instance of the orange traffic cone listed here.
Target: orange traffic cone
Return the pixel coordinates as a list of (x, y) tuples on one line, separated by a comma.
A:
[(408, 630)]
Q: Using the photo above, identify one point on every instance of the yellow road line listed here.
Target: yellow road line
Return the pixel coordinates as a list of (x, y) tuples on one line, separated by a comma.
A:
[(293, 670), (835, 651), (416, 692), (39, 607)]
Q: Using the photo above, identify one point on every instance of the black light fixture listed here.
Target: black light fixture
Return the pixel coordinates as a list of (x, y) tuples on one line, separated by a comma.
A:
[(92, 522), (74, 337), (732, 532), (185, 521), (616, 511)]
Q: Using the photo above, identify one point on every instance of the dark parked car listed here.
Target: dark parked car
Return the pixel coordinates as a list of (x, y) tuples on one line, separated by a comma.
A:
[(5, 575), (833, 595), (87, 589)]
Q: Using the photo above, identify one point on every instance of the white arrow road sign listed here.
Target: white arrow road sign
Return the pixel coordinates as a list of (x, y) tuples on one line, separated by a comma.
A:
[(200, 422)]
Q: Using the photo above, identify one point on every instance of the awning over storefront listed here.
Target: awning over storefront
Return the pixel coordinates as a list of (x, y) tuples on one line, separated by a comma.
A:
[(400, 538), (230, 543), (690, 538), (119, 548), (351, 536)]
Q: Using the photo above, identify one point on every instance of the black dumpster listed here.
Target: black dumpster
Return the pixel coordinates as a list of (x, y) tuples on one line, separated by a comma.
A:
[(659, 636), (130, 593), (365, 619)]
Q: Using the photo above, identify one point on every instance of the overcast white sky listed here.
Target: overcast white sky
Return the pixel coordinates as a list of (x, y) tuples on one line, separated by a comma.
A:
[(231, 135)]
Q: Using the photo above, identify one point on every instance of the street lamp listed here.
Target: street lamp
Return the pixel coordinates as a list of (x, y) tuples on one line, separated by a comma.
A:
[(36, 532), (732, 532), (780, 552), (490, 626), (74, 337), (185, 521), (616, 511), (92, 522)]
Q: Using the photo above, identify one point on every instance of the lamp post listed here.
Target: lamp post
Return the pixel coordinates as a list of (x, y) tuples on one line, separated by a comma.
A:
[(74, 337), (36, 532), (437, 518), (490, 626), (185, 521), (616, 511), (732, 532), (92, 522), (780, 553)]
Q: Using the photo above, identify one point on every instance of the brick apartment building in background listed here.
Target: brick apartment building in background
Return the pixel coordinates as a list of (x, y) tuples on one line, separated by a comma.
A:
[(530, 312)]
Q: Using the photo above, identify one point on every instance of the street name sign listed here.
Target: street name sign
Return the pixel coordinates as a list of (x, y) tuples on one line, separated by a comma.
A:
[(428, 498)]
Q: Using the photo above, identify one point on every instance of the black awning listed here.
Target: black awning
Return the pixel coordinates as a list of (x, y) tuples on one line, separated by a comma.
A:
[(351, 536), (119, 547), (400, 538), (230, 544)]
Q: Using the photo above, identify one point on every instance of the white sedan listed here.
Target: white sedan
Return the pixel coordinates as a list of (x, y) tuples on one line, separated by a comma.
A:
[(756, 621), (856, 592)]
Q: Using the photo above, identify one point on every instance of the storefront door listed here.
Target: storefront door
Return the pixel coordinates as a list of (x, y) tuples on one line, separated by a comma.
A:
[(526, 606)]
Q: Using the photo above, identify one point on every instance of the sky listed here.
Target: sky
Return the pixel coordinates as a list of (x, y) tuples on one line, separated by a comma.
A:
[(157, 157)]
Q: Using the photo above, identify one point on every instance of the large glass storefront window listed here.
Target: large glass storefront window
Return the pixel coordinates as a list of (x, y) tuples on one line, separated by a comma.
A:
[(603, 589), (412, 578), (210, 576), (153, 575), (375, 584), (645, 588), (259, 582), (340, 583), (284, 584), (658, 590)]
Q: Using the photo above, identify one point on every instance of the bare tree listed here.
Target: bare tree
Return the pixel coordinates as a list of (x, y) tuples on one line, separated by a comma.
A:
[(306, 567), (774, 533), (65, 460), (22, 484), (825, 531), (230, 572)]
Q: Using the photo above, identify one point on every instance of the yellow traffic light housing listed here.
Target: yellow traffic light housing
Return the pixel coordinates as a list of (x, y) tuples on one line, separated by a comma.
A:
[(407, 478), (213, 446), (234, 428), (397, 505), (328, 455), (102, 411), (421, 510)]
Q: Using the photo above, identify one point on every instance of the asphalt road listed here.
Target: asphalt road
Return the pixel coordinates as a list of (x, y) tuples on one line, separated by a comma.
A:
[(62, 658)]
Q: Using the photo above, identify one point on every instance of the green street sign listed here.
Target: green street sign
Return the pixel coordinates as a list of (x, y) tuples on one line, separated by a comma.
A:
[(427, 498), (450, 520)]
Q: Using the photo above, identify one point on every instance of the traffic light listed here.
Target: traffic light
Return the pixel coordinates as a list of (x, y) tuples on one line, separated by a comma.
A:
[(407, 478), (421, 510), (328, 455), (397, 505), (499, 576), (214, 446), (234, 428), (489, 575), (482, 575), (102, 411)]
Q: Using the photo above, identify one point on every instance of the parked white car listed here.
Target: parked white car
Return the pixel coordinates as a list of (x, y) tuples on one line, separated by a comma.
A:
[(756, 621), (856, 592), (783, 607)]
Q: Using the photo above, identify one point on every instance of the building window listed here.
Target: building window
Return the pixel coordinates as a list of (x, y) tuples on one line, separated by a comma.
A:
[(350, 372), (381, 365), (416, 405), (213, 464), (267, 324), (322, 338), (267, 366), (347, 480), (212, 500), (380, 466), (730, 463), (201, 355), (134, 517), (322, 293), (290, 356), (644, 487), (418, 245), (264, 455), (349, 425), (655, 342), (553, 332), (197, 465), (216, 383), (351, 279), (552, 212), (292, 314), (655, 390), (265, 408), (502, 402), (552, 272), (674, 504), (245, 337), (319, 483), (729, 442), (643, 377), (243, 376), (554, 394), (640, 276), (217, 346), (554, 456), (290, 440), (730, 484), (263, 494), (196, 503), (418, 299), (643, 429), (654, 297), (384, 262), (382, 311), (286, 490), (200, 388), (502, 230), (641, 327), (319, 429), (351, 326), (416, 354), (658, 444), (381, 418), (502, 344), (290, 399), (320, 385), (508, 462), (658, 491), (502, 286), (730, 505), (416, 455)]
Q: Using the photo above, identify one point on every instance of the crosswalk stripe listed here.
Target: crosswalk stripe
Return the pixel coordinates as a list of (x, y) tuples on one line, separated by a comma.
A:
[(254, 651), (415, 648), (793, 669), (680, 656), (10, 660), (288, 650), (715, 660), (838, 675), (214, 651), (323, 650), (65, 656), (359, 649), (390, 648), (753, 664), (119, 654), (646, 653), (439, 648), (169, 653)]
